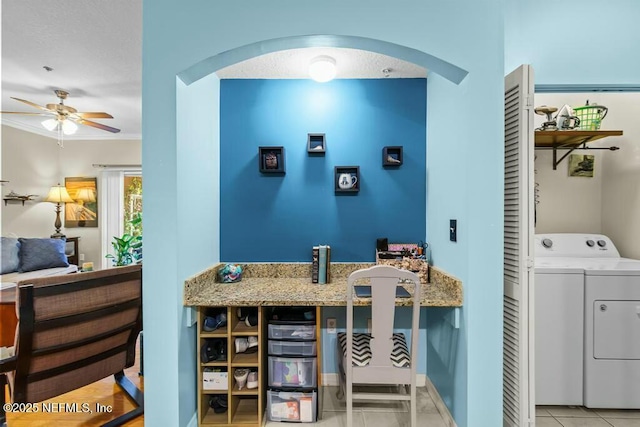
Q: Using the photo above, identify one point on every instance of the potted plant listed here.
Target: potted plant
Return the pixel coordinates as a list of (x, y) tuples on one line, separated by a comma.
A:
[(128, 248)]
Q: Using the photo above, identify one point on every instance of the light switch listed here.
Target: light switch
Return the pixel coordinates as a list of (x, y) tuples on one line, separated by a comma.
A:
[(453, 230), (331, 325)]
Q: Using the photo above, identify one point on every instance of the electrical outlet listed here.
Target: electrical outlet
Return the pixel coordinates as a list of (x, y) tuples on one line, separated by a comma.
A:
[(81, 257), (331, 325)]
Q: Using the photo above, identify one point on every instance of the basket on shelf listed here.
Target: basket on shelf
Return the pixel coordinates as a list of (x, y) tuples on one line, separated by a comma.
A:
[(590, 116)]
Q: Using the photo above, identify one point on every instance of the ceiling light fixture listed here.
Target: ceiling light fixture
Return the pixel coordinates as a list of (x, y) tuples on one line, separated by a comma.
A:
[(68, 127), (322, 68)]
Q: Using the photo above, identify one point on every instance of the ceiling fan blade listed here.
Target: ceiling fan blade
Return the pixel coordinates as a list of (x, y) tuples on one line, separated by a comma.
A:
[(40, 107), (98, 125), (26, 114), (94, 115)]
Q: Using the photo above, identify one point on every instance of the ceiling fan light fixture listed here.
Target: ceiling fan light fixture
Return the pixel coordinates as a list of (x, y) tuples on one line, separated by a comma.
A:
[(50, 124), (69, 127), (322, 68)]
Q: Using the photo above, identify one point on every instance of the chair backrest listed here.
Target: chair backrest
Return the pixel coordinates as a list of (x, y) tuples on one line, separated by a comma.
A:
[(383, 280), (74, 330)]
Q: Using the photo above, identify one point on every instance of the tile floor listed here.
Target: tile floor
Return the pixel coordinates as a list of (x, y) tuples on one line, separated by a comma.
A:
[(577, 416), (375, 414)]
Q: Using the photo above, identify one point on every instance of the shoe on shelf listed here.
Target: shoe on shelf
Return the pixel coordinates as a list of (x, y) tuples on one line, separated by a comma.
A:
[(246, 344), (211, 323), (219, 403), (252, 343), (252, 379), (213, 350), (242, 344), (241, 376)]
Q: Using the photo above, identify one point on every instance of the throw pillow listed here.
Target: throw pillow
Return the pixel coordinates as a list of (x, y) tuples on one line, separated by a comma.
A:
[(37, 254), (10, 255)]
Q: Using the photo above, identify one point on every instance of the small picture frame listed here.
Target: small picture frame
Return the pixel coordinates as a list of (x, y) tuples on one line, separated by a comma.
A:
[(271, 160), (316, 143), (346, 179), (392, 156), (83, 212), (581, 165)]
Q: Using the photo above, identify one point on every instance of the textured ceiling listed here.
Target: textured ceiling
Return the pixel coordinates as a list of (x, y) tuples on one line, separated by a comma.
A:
[(294, 64), (95, 50)]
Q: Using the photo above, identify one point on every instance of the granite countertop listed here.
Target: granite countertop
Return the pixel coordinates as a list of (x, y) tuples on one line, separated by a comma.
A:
[(275, 284)]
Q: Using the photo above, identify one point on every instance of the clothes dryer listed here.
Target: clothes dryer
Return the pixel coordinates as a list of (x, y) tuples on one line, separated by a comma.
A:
[(612, 334)]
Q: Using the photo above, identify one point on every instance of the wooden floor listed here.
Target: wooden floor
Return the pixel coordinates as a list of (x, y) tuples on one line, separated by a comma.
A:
[(104, 392)]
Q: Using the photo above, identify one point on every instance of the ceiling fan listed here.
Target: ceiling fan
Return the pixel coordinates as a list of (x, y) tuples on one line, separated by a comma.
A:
[(64, 117)]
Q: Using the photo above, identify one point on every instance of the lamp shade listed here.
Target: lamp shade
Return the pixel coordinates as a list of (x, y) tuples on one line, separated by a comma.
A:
[(68, 127), (58, 194), (322, 68), (85, 195), (50, 124)]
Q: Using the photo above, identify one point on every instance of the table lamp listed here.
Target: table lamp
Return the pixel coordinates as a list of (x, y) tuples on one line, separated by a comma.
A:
[(58, 194)]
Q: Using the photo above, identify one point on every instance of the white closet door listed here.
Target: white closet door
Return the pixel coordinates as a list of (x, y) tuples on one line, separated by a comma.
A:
[(518, 362)]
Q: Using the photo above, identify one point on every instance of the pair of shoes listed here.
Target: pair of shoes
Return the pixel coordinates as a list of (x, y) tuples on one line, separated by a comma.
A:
[(211, 323), (246, 345), (248, 377), (214, 350), (248, 315), (241, 375), (219, 403)]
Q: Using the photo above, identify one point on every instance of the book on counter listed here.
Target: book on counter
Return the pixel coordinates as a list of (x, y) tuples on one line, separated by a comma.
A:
[(322, 265), (328, 264), (315, 253)]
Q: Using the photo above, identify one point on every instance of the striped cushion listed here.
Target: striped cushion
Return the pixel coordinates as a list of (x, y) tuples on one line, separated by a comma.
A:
[(362, 351)]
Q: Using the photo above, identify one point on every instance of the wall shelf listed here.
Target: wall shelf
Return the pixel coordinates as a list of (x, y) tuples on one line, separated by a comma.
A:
[(316, 143), (392, 156), (271, 160), (570, 140), (351, 177)]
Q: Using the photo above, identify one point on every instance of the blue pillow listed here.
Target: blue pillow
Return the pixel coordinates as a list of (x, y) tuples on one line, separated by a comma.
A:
[(10, 255), (37, 254)]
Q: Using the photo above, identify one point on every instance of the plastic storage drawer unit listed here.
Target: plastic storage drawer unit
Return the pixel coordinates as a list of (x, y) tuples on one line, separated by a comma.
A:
[(292, 332), (292, 371), (292, 348), (291, 406)]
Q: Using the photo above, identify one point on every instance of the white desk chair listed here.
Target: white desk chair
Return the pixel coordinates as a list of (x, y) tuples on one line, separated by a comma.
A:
[(381, 357)]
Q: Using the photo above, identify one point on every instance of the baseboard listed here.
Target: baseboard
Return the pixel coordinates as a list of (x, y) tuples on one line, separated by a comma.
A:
[(332, 380), (440, 405)]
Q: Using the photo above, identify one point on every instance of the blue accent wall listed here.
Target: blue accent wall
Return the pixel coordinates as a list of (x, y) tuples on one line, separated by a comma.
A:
[(272, 217)]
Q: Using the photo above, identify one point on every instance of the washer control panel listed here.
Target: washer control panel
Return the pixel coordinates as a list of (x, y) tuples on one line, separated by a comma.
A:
[(574, 245)]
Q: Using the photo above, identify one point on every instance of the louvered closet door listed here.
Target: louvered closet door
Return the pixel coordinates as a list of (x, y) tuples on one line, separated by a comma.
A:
[(518, 375)]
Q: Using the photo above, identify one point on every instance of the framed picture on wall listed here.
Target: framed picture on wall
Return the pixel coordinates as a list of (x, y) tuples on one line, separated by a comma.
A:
[(581, 165), (84, 211)]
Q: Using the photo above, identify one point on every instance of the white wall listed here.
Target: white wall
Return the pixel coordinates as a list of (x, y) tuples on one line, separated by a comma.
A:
[(33, 163), (608, 203)]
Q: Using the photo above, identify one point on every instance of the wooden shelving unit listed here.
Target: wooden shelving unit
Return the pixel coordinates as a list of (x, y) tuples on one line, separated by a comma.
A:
[(245, 406), (569, 140)]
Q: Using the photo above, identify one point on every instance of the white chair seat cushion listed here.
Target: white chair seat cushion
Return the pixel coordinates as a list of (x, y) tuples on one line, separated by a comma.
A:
[(362, 350)]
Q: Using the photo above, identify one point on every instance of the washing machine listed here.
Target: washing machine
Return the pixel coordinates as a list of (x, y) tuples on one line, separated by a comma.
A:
[(559, 320), (612, 333)]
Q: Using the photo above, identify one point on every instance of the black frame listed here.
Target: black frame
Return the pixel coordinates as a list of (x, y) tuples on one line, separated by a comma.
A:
[(262, 163), (353, 171), (313, 139), (393, 151)]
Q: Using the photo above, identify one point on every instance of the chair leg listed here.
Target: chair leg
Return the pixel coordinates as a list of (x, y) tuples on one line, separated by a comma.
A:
[(141, 373), (134, 394), (3, 384), (414, 405)]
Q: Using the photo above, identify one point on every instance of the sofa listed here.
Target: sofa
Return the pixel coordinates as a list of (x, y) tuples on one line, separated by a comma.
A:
[(30, 258)]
